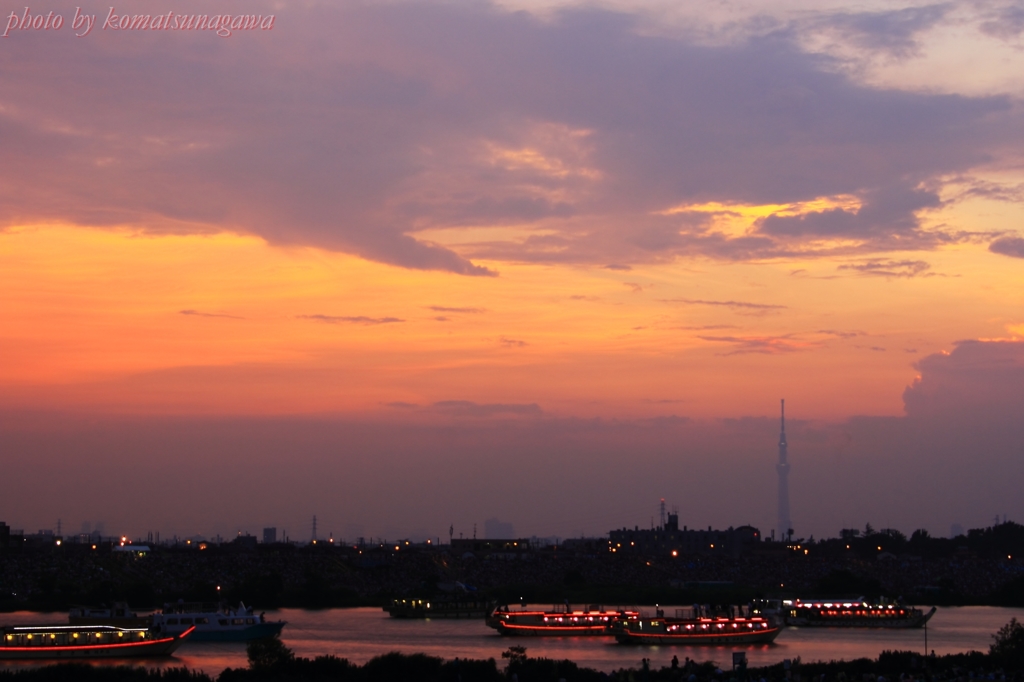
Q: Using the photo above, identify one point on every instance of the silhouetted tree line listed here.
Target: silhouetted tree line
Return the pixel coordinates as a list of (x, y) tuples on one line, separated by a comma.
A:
[(985, 565)]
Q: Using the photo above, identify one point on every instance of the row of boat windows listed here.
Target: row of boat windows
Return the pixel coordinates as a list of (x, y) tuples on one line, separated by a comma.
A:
[(205, 621), (74, 638), (707, 626), (853, 614)]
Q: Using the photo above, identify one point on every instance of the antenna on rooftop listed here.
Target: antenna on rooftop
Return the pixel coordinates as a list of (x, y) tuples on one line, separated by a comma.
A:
[(663, 512), (314, 527)]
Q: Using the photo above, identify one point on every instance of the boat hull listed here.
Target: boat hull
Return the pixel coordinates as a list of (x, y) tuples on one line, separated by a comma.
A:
[(551, 631), (152, 648)]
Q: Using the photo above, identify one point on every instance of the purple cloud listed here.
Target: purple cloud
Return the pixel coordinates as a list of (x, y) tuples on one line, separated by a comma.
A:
[(1008, 246)]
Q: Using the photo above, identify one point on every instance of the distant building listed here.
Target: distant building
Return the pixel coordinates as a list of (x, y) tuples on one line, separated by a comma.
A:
[(243, 541), (5, 535), (269, 536), (667, 539)]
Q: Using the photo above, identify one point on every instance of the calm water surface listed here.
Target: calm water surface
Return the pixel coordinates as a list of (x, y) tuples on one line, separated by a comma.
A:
[(360, 634)]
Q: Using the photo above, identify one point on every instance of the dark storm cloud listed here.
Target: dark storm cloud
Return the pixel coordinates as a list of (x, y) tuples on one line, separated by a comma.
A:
[(353, 126), (1008, 246)]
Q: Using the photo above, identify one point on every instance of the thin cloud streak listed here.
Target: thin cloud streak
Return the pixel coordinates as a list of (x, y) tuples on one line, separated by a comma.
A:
[(350, 319), (196, 313)]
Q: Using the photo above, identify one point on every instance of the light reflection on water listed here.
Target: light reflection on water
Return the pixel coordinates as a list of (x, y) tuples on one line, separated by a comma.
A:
[(360, 634)]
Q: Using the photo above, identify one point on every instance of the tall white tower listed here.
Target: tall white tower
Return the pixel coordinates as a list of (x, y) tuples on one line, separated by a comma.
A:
[(785, 524)]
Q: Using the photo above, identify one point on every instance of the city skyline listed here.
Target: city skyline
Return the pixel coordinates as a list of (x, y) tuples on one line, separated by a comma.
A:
[(405, 265)]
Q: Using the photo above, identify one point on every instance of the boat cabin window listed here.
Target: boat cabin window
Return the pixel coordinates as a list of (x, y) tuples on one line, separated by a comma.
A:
[(172, 621), (238, 621), (250, 621), (202, 621), (222, 621), (186, 621)]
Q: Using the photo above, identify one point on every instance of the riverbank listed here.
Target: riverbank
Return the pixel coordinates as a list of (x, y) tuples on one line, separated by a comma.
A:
[(277, 664)]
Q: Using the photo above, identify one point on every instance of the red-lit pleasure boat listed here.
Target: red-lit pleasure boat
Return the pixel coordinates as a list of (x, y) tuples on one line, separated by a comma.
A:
[(54, 642), (563, 622), (855, 613), (696, 631)]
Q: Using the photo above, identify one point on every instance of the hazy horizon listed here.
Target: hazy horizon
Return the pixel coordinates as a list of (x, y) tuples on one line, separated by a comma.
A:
[(413, 265)]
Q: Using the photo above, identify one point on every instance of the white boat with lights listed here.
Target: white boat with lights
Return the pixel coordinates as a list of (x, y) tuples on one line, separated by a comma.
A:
[(215, 622), (57, 642), (559, 622), (855, 613)]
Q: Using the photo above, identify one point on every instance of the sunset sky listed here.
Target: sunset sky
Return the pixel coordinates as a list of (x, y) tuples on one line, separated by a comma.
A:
[(407, 265)]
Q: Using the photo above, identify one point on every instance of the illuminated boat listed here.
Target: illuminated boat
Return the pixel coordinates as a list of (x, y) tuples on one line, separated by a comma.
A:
[(445, 607), (852, 614), (215, 622), (54, 642), (558, 622), (696, 631), (119, 615)]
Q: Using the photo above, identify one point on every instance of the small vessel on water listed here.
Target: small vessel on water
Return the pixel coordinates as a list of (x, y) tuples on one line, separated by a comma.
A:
[(699, 630), (215, 622), (443, 607), (55, 642), (558, 622), (855, 613)]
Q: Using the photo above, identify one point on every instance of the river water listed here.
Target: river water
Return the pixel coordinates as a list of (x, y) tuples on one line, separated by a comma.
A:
[(360, 634)]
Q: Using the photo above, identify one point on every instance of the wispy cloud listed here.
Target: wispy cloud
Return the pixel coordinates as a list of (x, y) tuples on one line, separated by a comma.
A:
[(738, 306), (350, 319), (448, 309), (768, 345), (707, 327), (840, 334), (198, 313), (512, 343), (891, 268), (469, 408)]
